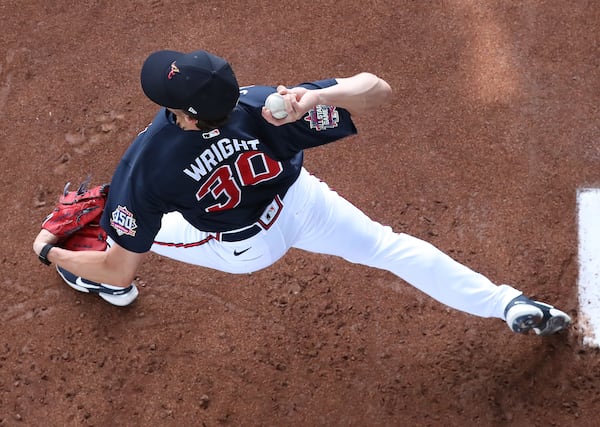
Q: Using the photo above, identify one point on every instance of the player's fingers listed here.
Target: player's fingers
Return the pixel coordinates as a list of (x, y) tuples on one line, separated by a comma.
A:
[(305, 103), (268, 116), (295, 109), (46, 236), (266, 113)]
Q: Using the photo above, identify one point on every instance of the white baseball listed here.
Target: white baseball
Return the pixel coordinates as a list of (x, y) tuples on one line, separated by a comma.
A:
[(276, 104)]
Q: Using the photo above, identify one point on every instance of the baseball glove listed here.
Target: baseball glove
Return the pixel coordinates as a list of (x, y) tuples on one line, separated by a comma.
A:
[(75, 219), (89, 238)]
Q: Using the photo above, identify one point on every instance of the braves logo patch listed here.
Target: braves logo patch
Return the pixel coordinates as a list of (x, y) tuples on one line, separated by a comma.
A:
[(323, 117), (174, 70), (123, 221)]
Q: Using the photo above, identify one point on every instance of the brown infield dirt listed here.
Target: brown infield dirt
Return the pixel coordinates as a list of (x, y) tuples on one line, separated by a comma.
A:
[(493, 128)]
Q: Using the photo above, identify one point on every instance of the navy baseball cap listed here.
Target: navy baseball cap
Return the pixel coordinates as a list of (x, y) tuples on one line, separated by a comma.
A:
[(199, 83)]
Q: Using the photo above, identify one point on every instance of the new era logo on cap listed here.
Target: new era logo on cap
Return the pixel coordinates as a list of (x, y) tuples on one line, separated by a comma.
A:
[(199, 82)]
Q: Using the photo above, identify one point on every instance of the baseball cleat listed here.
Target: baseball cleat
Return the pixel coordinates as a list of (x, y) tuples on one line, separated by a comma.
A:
[(112, 294), (523, 315)]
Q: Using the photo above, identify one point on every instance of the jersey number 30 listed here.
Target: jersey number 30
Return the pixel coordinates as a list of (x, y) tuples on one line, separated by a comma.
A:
[(251, 168)]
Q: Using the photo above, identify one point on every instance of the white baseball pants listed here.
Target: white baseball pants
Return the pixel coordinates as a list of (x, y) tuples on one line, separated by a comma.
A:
[(316, 219)]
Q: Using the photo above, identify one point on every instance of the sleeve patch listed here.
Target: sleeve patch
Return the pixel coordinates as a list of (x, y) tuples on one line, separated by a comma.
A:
[(123, 221), (323, 117)]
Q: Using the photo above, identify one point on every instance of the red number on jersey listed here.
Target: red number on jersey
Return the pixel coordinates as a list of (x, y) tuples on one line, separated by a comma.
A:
[(221, 185), (252, 167)]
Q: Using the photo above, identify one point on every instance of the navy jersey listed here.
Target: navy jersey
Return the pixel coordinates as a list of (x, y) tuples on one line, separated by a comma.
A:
[(218, 180)]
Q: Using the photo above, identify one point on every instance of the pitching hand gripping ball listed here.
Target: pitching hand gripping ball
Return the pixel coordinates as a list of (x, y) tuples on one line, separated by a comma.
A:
[(276, 104)]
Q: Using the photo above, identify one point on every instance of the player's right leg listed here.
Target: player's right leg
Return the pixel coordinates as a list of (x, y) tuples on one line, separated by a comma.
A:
[(523, 315), (331, 225)]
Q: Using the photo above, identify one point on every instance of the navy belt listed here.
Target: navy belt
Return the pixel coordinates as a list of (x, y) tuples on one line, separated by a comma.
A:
[(266, 220), (237, 236)]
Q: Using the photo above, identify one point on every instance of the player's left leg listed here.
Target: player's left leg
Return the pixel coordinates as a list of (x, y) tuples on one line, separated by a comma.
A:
[(181, 241), (114, 295)]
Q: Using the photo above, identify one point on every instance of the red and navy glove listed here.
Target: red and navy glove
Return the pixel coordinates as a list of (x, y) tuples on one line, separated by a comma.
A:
[(75, 219)]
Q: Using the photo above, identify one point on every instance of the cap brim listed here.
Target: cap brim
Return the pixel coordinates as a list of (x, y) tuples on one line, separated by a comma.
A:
[(154, 75)]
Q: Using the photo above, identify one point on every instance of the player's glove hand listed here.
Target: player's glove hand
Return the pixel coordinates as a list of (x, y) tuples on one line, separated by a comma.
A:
[(75, 218), (89, 238)]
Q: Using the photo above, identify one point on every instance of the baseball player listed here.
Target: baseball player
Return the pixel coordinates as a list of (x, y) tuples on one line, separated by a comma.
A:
[(217, 181)]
